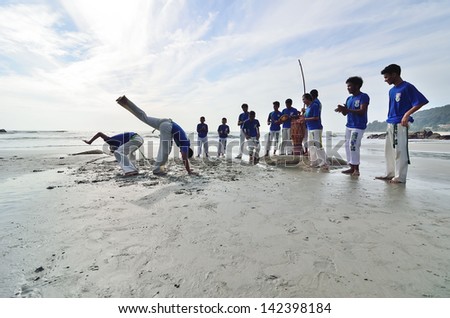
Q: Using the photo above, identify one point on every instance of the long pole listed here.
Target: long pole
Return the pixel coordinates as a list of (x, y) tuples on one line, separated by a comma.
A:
[(303, 76), (303, 79)]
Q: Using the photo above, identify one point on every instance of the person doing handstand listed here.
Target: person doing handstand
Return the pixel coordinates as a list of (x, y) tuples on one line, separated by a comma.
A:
[(169, 131)]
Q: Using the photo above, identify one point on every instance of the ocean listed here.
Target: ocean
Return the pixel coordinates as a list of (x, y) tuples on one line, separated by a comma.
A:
[(62, 142)]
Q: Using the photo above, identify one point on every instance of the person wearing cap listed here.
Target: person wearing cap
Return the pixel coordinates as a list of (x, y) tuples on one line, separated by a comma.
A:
[(169, 131)]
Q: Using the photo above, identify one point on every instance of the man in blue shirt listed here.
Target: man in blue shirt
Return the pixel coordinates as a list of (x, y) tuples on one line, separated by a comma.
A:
[(169, 131), (291, 113), (355, 109), (241, 119), (251, 131), (313, 122), (223, 131), (404, 100), (124, 147), (274, 130), (202, 131)]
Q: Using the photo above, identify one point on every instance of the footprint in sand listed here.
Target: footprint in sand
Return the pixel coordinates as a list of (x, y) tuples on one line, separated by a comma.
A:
[(325, 268)]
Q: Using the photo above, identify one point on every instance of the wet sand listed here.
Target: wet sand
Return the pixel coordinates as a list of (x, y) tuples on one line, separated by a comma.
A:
[(75, 228)]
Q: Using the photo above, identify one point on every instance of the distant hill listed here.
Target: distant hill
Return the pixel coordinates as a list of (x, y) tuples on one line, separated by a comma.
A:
[(435, 119)]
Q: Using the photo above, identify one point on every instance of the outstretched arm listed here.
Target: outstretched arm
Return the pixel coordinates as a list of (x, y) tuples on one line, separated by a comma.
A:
[(97, 135), (184, 156)]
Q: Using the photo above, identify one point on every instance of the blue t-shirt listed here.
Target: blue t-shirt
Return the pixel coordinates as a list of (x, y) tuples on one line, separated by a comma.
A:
[(401, 99), (290, 112), (180, 138), (355, 102), (250, 127), (243, 117), (273, 117), (202, 130), (120, 139), (223, 131), (314, 110)]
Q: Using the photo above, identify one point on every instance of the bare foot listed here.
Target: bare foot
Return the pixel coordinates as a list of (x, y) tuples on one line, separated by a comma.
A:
[(383, 178), (395, 181), (355, 173)]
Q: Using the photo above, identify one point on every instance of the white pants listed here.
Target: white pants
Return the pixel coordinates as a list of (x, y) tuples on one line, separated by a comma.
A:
[(317, 154), (125, 154), (253, 147), (164, 126), (202, 143), (353, 137), (305, 142), (241, 142), (286, 144), (396, 152), (222, 146), (273, 135)]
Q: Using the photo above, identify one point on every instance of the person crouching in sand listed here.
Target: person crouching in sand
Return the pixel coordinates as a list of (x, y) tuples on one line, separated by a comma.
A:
[(123, 146), (169, 131)]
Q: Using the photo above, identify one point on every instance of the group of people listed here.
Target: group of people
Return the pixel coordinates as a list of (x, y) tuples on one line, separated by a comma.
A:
[(301, 131), (404, 100)]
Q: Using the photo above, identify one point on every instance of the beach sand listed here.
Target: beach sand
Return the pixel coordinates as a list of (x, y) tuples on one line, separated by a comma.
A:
[(77, 228)]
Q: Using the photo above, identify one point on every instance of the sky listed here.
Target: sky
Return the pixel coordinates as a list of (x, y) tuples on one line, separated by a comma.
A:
[(63, 63)]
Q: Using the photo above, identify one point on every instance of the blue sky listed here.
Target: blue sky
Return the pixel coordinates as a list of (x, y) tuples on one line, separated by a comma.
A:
[(63, 63)]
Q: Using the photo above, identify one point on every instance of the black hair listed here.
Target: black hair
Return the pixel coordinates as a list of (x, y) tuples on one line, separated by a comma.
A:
[(308, 96), (252, 113), (276, 103), (314, 93), (355, 80), (392, 68), (244, 105), (289, 101)]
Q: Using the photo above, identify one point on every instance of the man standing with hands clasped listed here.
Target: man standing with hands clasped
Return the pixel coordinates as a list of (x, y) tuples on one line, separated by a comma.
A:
[(404, 100), (355, 109)]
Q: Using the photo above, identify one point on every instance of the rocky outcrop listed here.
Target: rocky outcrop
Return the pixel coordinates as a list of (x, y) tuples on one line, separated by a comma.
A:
[(425, 134), (2, 131)]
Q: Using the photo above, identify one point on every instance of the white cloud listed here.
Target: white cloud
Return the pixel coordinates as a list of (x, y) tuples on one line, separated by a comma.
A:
[(65, 64)]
